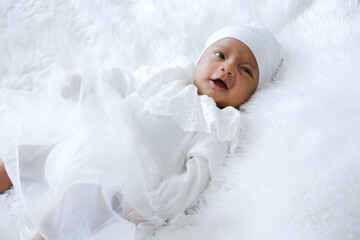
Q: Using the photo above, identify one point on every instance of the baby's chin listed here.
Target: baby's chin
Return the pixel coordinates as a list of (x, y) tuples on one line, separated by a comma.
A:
[(221, 105), (221, 102)]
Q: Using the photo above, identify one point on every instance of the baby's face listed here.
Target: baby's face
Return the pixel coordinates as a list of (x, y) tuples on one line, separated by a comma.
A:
[(227, 72)]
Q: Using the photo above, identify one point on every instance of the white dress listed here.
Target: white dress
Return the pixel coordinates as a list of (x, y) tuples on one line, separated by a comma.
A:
[(82, 160)]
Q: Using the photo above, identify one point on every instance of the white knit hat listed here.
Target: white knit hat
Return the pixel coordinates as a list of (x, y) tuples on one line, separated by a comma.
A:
[(261, 42)]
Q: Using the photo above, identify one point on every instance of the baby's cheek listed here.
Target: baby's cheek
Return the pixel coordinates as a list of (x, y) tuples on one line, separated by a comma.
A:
[(246, 96), (196, 83), (203, 88)]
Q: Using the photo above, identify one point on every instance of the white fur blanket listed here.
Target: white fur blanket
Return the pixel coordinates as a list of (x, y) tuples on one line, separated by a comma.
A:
[(296, 175)]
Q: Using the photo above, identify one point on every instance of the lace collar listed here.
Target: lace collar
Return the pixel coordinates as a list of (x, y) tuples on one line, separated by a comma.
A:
[(171, 92)]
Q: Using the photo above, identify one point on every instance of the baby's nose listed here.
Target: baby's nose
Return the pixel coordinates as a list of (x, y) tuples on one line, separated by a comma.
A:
[(228, 69)]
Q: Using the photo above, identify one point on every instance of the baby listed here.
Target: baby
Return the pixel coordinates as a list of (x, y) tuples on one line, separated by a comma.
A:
[(143, 156)]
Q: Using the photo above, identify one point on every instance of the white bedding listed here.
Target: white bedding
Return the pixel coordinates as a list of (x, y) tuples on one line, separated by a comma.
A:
[(296, 174)]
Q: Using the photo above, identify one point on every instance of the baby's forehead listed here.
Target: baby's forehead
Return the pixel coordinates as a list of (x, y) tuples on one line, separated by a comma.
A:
[(232, 44)]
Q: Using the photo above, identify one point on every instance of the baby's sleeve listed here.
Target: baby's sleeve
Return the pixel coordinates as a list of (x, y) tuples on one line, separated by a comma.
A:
[(179, 192), (209, 147)]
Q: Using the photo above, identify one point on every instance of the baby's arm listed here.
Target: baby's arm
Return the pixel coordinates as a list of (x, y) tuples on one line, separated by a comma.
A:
[(179, 192)]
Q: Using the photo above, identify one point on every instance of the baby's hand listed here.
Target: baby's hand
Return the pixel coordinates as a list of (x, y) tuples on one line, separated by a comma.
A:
[(134, 216)]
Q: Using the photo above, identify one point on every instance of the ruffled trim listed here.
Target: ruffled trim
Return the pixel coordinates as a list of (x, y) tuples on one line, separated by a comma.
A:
[(170, 92)]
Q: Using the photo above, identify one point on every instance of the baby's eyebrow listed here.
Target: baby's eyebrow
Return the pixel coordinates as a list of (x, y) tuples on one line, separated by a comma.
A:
[(254, 67), (222, 47)]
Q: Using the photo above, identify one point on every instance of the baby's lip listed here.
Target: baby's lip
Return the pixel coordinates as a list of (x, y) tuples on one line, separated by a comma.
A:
[(221, 82)]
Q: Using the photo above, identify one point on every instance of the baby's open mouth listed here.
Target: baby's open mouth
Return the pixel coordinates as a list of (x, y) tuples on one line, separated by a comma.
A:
[(220, 83)]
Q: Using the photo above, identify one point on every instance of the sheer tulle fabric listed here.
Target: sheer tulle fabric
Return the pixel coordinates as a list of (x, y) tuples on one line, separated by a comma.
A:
[(78, 153), (94, 152)]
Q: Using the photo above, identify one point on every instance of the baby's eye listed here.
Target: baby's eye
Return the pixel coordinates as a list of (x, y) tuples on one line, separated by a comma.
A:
[(220, 55), (247, 71)]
